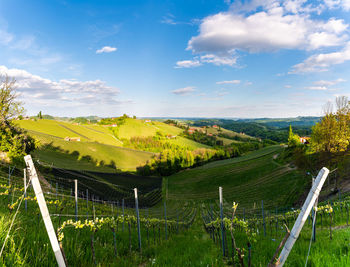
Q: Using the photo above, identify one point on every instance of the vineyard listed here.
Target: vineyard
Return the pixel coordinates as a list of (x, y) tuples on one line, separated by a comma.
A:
[(158, 228)]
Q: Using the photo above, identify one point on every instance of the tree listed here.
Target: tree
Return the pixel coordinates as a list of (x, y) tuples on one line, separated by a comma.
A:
[(293, 139), (13, 140), (10, 107), (332, 134), (40, 116)]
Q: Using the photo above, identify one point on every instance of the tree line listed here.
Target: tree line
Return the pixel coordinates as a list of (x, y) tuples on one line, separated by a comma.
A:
[(170, 161)]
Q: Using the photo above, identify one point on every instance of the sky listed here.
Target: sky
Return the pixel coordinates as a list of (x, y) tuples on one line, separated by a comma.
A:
[(230, 59)]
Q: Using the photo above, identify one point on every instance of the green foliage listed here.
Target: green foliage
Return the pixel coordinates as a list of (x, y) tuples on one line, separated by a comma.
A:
[(170, 161), (332, 134), (264, 129), (13, 141), (110, 121), (156, 143), (293, 139)]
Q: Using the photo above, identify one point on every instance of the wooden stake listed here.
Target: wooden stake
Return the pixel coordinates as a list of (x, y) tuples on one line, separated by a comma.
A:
[(44, 211), (76, 198), (305, 211), (138, 219), (25, 188)]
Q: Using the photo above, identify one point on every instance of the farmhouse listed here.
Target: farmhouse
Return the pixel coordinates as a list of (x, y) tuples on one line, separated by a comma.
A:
[(304, 139), (72, 139), (191, 130), (215, 126), (147, 120)]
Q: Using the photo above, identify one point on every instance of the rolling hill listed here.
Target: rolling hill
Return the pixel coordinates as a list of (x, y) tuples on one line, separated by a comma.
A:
[(248, 180), (99, 146)]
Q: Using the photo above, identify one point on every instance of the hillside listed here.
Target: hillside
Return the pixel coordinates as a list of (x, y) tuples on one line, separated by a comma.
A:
[(248, 180), (99, 145)]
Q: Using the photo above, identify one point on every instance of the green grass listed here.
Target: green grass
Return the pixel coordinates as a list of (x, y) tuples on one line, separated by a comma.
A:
[(97, 142), (60, 129), (124, 158), (246, 180)]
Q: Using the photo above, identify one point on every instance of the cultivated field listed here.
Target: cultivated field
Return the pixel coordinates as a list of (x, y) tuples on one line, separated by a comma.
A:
[(247, 180)]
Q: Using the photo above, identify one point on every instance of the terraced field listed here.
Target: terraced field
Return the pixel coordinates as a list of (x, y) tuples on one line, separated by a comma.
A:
[(247, 180)]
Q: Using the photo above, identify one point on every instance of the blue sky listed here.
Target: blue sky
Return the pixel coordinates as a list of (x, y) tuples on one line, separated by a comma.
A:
[(177, 58)]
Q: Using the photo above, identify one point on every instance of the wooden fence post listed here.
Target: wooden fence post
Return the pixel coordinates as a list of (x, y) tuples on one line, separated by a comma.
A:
[(222, 222), (123, 214), (76, 198), (87, 204), (9, 185), (25, 188), (138, 219), (304, 212), (166, 226), (263, 216), (44, 211)]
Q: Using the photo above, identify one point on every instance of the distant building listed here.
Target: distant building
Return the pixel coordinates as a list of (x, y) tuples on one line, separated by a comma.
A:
[(72, 139), (304, 140), (147, 120), (169, 136), (191, 130), (215, 126)]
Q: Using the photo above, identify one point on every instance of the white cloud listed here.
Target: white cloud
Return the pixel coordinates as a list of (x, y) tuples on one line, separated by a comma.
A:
[(287, 86), (106, 49), (260, 26), (335, 4), (219, 60), (184, 91), (320, 88), (321, 62), (188, 63), (267, 30), (169, 19), (36, 89), (324, 85), (329, 83), (229, 82), (5, 37)]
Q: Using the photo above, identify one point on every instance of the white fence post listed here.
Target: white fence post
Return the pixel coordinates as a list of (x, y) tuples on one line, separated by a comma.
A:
[(44, 211), (76, 198), (304, 213), (25, 188)]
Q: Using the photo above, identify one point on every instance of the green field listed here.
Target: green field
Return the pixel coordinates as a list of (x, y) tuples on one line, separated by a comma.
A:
[(97, 142), (247, 180), (124, 158)]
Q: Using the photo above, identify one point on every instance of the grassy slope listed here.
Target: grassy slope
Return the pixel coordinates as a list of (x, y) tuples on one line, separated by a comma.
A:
[(125, 159), (135, 127), (247, 180), (97, 142)]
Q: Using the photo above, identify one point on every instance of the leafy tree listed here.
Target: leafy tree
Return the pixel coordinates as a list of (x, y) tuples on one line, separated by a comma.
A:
[(332, 134), (40, 116), (293, 139), (12, 140), (10, 107)]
